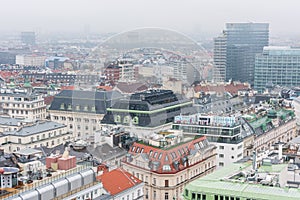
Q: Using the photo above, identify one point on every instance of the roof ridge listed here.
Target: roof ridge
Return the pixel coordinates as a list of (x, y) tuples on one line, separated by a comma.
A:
[(124, 172)]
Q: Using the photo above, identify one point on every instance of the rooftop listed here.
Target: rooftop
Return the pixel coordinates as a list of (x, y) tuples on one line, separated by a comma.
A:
[(223, 183), (39, 127), (9, 121), (118, 180), (170, 159)]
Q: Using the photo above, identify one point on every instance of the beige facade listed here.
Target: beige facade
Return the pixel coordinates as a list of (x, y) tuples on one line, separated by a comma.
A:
[(31, 107), (43, 133), (283, 133), (81, 125), (166, 183)]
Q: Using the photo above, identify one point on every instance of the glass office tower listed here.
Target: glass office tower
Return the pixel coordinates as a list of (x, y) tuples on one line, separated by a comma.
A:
[(239, 43), (277, 66)]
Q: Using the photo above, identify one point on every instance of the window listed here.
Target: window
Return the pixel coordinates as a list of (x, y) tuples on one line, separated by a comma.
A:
[(216, 197), (166, 196), (133, 148), (221, 155), (221, 147), (221, 164), (166, 183), (203, 196), (232, 157), (138, 193), (154, 194), (150, 153), (137, 150), (146, 191), (154, 181), (193, 196), (186, 192)]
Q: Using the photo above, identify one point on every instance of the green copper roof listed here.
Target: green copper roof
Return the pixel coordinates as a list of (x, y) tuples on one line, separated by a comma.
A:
[(214, 184)]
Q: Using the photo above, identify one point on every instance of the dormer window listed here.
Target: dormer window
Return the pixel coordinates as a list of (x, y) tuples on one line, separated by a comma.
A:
[(62, 106)]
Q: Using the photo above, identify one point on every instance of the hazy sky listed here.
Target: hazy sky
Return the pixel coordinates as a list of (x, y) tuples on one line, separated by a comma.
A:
[(202, 16)]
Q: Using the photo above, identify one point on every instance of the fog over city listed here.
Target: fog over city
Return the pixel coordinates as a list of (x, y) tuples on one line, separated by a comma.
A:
[(149, 100), (206, 17)]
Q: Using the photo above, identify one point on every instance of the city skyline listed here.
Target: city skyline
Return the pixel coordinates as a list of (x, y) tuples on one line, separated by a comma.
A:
[(206, 18)]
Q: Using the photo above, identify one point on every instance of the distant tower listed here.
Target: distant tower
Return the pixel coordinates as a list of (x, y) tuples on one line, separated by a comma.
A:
[(235, 50), (28, 38)]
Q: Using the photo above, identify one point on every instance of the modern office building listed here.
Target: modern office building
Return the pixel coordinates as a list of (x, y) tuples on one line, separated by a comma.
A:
[(166, 162), (235, 49), (28, 38), (219, 73), (227, 133), (7, 58), (277, 66)]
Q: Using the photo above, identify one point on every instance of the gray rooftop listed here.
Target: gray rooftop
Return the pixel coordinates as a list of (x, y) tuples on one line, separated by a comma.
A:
[(9, 121), (39, 127)]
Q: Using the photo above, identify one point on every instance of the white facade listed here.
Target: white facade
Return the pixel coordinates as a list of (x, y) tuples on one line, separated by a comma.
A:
[(31, 107), (228, 153), (81, 125), (33, 136), (30, 60)]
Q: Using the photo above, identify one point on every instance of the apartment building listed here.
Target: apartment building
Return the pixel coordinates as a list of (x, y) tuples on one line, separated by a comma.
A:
[(28, 106), (20, 136), (82, 111), (166, 162)]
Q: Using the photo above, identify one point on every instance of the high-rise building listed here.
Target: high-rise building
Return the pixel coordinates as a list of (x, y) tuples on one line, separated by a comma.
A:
[(235, 50), (28, 38), (277, 66)]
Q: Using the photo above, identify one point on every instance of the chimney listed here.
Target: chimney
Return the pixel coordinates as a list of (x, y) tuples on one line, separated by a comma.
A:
[(254, 161), (280, 151)]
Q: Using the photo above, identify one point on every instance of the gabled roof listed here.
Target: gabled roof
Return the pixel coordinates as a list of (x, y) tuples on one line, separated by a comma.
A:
[(118, 180), (130, 88)]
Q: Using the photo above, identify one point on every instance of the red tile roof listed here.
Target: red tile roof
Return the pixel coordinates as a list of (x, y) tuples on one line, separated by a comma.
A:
[(104, 87), (69, 87), (117, 181), (231, 88), (166, 156)]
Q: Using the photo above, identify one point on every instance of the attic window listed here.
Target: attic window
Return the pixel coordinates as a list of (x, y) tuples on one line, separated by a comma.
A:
[(70, 107), (77, 107), (166, 158), (62, 106), (133, 148), (166, 168), (159, 157), (137, 150), (86, 108), (150, 153)]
